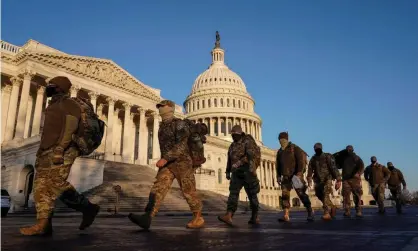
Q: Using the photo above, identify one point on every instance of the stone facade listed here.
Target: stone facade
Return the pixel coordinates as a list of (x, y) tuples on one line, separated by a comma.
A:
[(127, 105)]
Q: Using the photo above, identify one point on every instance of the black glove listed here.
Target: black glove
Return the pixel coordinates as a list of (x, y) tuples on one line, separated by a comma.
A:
[(228, 176), (279, 180)]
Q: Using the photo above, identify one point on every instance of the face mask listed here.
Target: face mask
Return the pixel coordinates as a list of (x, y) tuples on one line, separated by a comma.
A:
[(318, 151), (166, 112), (50, 90), (374, 162), (391, 168), (236, 137), (283, 143)]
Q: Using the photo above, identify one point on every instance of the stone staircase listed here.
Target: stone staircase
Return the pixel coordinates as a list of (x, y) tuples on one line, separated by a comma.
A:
[(135, 182)]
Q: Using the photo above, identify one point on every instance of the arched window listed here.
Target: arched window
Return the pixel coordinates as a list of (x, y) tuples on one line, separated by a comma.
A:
[(222, 102), (239, 103), (203, 103), (209, 103), (215, 101), (198, 104), (227, 102), (233, 103), (220, 176)]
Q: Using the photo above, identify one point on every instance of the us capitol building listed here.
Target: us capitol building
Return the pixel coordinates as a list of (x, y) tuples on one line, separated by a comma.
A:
[(218, 98)]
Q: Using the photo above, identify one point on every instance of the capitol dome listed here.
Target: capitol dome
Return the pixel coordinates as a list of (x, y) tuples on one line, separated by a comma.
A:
[(220, 99)]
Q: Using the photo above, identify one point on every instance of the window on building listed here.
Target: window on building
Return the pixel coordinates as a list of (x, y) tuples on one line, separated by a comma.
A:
[(220, 176)]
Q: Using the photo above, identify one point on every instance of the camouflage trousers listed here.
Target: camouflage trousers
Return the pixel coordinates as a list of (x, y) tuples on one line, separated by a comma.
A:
[(378, 192), (51, 183), (251, 185), (287, 187), (323, 190), (352, 186), (396, 192), (184, 174)]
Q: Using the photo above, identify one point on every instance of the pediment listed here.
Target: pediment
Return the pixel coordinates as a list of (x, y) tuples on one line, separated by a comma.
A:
[(102, 70)]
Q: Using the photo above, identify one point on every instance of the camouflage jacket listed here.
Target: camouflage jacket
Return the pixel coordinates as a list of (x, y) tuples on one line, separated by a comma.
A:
[(55, 118), (323, 168), (238, 152), (290, 161), (376, 174), (396, 178), (173, 140)]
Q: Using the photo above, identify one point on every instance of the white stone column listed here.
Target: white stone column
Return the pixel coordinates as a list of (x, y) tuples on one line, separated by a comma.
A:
[(156, 154), (12, 113), (28, 118), (93, 98), (109, 132), (5, 99), (36, 125), (270, 174), (261, 173), (23, 106), (260, 135), (143, 139), (74, 91), (212, 127), (273, 166), (127, 135), (247, 127), (219, 126)]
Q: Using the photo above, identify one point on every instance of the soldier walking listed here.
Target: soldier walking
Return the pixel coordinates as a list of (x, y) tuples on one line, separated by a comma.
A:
[(394, 185), (352, 168), (57, 152), (291, 161), (377, 175), (243, 155), (324, 170), (175, 163)]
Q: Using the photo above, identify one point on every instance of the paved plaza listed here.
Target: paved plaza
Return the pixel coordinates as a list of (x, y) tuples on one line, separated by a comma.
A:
[(373, 232)]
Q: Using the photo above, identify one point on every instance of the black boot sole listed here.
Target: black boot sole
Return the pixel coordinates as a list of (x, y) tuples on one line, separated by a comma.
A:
[(85, 225), (133, 219), (227, 223)]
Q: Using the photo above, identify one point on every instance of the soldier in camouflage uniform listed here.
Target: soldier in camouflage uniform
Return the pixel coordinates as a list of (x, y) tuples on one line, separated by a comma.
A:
[(324, 170), (54, 159), (290, 161), (377, 175), (175, 163), (241, 164), (352, 168), (394, 185)]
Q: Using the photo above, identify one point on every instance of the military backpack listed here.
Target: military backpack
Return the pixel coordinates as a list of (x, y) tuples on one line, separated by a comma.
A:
[(255, 148), (196, 141), (90, 130)]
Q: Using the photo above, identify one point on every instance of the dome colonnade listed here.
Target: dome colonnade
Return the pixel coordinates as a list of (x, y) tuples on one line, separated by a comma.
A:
[(219, 99)]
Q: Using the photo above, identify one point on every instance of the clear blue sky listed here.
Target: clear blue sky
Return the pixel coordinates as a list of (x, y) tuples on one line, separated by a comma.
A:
[(338, 72)]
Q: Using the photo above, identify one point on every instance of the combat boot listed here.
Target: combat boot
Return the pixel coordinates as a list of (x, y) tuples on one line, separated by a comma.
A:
[(89, 214), (311, 215), (285, 217), (143, 221), (347, 213), (197, 221), (254, 218), (326, 216), (359, 214), (227, 218), (42, 228), (333, 212)]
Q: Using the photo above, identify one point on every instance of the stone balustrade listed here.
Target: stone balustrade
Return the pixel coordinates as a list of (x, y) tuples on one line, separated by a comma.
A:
[(7, 47)]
